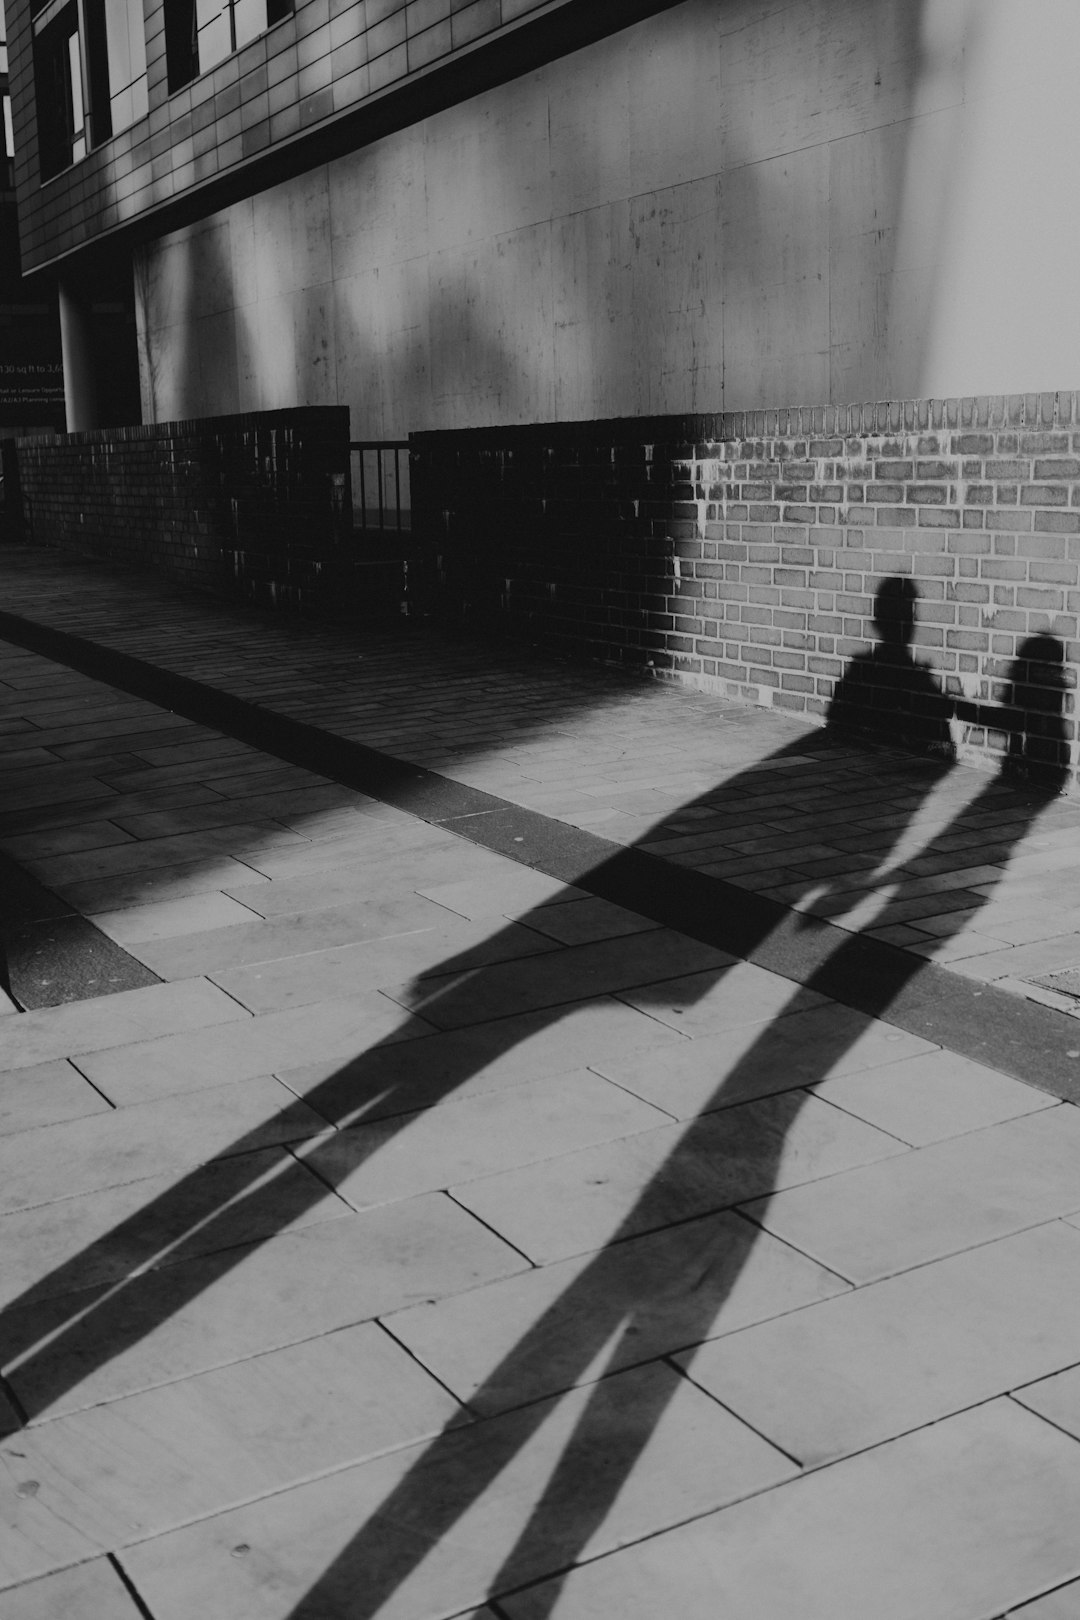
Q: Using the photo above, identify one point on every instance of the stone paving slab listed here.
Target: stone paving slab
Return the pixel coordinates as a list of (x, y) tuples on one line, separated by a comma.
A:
[(93, 1589), (482, 1058), (345, 970), (868, 1223), (132, 1015), (173, 1322), (46, 1094), (596, 1195), (801, 1047), (151, 1461), (136, 1226), (925, 1099), (326, 1307), (868, 1366), (940, 1509), (469, 1139), (167, 1136), (143, 1071), (1059, 1605), (697, 1456)]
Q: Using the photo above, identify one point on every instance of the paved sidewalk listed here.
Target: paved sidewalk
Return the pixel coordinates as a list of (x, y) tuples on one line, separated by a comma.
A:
[(497, 1195), (963, 875)]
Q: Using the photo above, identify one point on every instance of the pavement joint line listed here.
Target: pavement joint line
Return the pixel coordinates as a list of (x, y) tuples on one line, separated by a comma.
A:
[(974, 1019), (129, 1586)]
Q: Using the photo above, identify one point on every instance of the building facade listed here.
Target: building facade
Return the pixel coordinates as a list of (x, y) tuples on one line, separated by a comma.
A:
[(31, 378), (447, 214)]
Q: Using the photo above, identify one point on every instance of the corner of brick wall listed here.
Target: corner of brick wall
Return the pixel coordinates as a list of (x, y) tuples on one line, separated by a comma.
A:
[(250, 505)]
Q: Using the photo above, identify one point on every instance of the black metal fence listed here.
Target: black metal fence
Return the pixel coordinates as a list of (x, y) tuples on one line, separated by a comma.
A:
[(382, 502)]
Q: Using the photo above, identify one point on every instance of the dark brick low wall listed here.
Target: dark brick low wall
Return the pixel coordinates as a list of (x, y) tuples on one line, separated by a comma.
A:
[(743, 552), (255, 506)]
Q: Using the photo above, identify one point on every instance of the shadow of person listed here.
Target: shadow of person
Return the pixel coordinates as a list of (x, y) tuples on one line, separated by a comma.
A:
[(621, 1307), (615, 1305), (94, 1308), (1039, 744), (885, 695)]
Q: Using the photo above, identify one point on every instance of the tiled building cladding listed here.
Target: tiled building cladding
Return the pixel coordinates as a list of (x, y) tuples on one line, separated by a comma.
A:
[(302, 77)]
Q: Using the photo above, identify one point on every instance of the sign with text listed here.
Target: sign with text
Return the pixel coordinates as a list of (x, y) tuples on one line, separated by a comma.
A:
[(31, 392)]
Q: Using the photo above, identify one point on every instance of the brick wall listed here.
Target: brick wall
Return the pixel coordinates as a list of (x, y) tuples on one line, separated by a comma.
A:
[(254, 506), (742, 552)]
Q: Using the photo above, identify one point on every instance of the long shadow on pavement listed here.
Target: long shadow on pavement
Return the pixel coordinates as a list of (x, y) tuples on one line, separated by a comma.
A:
[(607, 1305), (54, 1336)]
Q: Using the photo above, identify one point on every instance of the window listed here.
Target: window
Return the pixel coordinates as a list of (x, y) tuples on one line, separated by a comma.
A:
[(201, 33), (58, 86), (7, 164), (89, 76)]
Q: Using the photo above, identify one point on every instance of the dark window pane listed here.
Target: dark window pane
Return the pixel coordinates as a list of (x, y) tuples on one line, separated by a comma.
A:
[(97, 72), (181, 49), (58, 87)]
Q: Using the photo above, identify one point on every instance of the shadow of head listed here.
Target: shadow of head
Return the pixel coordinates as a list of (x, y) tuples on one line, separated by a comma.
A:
[(1039, 684), (894, 613)]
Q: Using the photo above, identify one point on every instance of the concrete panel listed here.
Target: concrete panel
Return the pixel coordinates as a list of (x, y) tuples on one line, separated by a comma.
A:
[(272, 225), (487, 164), (313, 346), (675, 102), (210, 286), (678, 318), (356, 350), (722, 207), (309, 231), (404, 344), (866, 193), (1004, 307), (491, 332), (815, 72), (172, 267), (592, 303), (775, 280), (589, 112), (378, 204), (217, 390), (266, 359), (382, 347), (244, 248), (905, 296)]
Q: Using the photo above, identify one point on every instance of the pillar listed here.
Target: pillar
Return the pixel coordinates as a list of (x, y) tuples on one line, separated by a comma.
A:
[(76, 341)]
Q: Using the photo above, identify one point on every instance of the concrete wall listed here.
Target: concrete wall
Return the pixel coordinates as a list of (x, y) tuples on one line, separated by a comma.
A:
[(736, 203)]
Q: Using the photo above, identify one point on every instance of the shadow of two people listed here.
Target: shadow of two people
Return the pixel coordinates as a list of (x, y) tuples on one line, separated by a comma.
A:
[(888, 697), (623, 1312), (618, 1309)]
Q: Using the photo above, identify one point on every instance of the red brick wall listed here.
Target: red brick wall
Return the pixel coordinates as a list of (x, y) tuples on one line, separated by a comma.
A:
[(743, 551), (254, 506)]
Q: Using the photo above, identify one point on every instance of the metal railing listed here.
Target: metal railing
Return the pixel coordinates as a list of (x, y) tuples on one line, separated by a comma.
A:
[(380, 486)]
